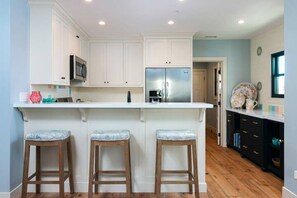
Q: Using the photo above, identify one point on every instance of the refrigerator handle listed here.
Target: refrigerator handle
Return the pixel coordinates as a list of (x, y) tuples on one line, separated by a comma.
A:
[(167, 85), (163, 91)]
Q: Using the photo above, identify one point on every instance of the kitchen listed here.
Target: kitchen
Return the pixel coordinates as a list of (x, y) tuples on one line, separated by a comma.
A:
[(242, 74)]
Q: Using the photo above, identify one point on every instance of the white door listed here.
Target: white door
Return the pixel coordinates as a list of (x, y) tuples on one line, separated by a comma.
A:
[(219, 96), (199, 85)]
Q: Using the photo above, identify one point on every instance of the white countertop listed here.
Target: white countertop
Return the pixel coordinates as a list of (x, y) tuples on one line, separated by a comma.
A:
[(260, 114), (95, 105)]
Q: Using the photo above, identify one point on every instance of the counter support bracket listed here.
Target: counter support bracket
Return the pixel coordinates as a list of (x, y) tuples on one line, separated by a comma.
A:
[(83, 114), (24, 113), (201, 114), (141, 114)]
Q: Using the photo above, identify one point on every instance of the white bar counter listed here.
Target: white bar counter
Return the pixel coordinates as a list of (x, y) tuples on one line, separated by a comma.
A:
[(142, 119)]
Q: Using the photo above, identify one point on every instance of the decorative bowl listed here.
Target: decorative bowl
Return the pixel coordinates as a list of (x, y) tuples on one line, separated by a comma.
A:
[(276, 162)]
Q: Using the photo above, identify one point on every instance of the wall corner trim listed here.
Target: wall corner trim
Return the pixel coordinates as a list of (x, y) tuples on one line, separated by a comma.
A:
[(15, 193)]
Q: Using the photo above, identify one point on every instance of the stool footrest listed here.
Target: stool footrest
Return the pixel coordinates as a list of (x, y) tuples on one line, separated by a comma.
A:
[(177, 182), (109, 182), (112, 172), (47, 174)]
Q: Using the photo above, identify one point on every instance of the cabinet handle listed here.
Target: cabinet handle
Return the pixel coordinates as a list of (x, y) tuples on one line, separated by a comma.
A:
[(255, 152), (281, 141), (255, 123), (104, 81), (244, 146), (228, 120), (244, 120), (107, 81), (169, 62), (256, 136), (126, 82), (63, 78), (244, 132)]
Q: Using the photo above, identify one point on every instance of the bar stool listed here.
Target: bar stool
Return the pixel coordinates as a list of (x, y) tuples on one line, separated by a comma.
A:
[(45, 138), (177, 138), (109, 138)]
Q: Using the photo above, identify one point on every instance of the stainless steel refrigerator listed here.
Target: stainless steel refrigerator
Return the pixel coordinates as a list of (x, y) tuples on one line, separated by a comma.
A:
[(168, 85)]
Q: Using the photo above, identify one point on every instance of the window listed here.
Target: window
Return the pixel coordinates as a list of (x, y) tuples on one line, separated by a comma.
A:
[(278, 75)]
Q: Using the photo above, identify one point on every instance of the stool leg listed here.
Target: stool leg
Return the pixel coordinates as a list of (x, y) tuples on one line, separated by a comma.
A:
[(195, 169), (70, 167), (38, 168), (96, 167), (61, 169), (190, 168), (90, 191), (127, 169), (158, 168), (26, 169), (130, 169)]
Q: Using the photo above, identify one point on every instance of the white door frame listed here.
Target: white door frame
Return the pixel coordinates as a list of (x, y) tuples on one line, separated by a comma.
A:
[(224, 92)]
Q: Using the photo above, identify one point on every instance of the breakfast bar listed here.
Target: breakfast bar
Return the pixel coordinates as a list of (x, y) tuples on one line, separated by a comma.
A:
[(142, 119)]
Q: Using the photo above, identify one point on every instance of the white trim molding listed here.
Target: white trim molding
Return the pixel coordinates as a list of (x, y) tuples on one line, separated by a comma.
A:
[(288, 194), (15, 193)]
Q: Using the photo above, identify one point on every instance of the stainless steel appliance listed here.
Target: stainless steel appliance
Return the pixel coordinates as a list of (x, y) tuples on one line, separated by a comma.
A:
[(78, 69), (168, 85)]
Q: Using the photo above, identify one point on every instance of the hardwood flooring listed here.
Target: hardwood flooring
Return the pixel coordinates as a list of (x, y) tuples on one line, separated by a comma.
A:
[(227, 175)]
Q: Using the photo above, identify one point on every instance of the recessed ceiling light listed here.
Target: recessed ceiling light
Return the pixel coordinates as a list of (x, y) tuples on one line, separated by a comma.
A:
[(88, 0), (170, 22), (241, 22), (101, 22), (181, 0)]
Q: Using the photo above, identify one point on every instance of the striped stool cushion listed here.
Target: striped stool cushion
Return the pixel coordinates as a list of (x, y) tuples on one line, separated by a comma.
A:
[(48, 135), (110, 135), (175, 135)]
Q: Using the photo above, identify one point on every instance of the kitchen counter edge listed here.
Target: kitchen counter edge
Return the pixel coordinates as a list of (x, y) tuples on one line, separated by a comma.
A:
[(116, 105), (260, 114)]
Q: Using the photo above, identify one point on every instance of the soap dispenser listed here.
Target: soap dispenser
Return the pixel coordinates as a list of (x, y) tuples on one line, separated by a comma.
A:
[(129, 97)]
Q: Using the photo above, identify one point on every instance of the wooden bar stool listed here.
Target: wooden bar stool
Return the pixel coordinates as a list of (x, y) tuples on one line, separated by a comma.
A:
[(109, 138), (177, 138), (43, 138)]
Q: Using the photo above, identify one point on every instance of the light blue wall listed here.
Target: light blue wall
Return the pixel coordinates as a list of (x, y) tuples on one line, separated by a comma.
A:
[(14, 50), (238, 58), (290, 94), (5, 95)]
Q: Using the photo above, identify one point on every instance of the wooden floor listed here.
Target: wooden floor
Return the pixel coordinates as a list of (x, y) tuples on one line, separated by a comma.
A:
[(227, 175)]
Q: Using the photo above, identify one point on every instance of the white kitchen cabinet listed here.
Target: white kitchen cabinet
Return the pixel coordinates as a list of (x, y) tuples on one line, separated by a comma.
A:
[(115, 64), (168, 52), (74, 43), (49, 61), (106, 64), (133, 65)]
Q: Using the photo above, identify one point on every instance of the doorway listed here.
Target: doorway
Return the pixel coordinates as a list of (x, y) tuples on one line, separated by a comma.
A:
[(208, 86)]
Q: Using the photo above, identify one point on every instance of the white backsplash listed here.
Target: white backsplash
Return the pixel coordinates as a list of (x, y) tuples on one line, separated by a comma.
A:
[(90, 94), (112, 94)]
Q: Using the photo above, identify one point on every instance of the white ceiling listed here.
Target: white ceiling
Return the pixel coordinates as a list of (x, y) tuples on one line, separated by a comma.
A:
[(204, 17)]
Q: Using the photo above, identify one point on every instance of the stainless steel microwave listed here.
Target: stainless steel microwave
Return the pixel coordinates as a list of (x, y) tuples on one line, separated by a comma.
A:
[(78, 69)]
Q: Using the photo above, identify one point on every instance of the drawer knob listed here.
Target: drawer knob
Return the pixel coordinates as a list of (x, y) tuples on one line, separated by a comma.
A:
[(244, 146), (244, 120), (255, 152), (256, 136), (228, 120), (255, 123), (244, 132), (281, 141)]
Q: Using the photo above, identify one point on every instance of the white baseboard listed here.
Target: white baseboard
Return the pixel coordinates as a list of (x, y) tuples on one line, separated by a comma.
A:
[(15, 193), (288, 194)]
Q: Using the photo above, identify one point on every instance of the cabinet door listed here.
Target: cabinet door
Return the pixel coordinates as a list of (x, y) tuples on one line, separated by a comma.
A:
[(180, 52), (97, 66), (133, 64), (74, 44), (115, 64), (156, 52), (60, 74)]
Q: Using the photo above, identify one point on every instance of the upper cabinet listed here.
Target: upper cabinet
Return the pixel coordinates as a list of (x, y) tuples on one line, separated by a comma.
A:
[(52, 39), (168, 52), (115, 64)]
